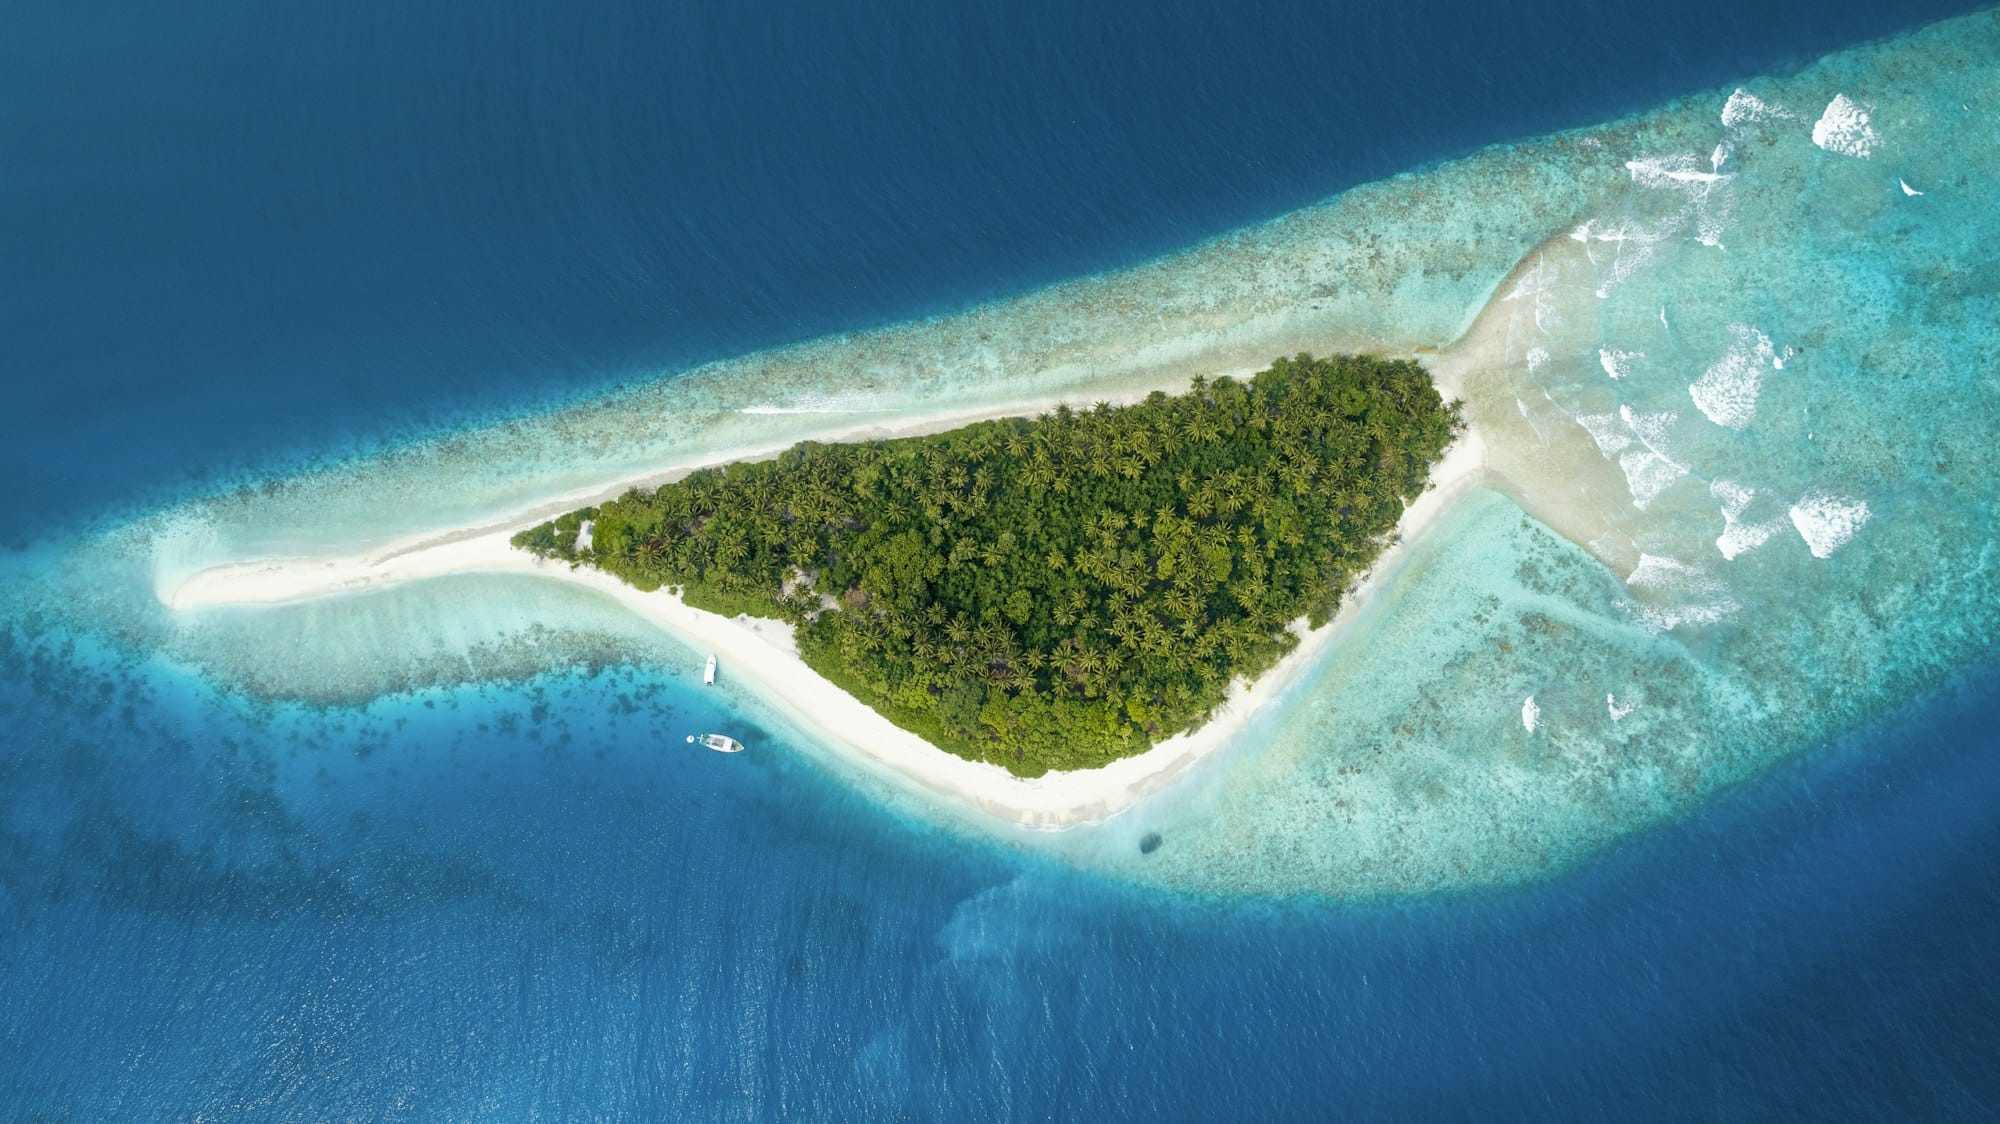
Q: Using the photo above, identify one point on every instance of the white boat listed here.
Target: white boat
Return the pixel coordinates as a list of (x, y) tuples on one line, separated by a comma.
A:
[(720, 743), (708, 673)]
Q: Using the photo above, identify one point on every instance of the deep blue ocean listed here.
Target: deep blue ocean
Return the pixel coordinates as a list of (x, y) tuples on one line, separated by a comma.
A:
[(241, 239)]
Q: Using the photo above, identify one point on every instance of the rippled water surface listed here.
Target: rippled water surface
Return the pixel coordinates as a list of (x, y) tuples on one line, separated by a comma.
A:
[(1657, 784)]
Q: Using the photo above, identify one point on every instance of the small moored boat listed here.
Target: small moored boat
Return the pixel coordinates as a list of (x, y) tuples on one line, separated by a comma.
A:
[(720, 743), (708, 673)]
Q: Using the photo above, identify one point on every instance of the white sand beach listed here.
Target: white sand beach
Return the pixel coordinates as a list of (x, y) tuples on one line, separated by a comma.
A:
[(761, 654)]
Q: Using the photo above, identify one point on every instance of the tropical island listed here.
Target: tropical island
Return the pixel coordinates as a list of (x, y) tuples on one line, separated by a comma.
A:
[(1051, 593)]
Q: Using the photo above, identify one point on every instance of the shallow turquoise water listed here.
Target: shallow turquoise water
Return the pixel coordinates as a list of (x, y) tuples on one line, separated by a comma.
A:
[(1704, 334), (421, 852), (1755, 385)]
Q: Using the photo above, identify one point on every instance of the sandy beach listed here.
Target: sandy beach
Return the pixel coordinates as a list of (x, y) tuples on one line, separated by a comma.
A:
[(761, 655)]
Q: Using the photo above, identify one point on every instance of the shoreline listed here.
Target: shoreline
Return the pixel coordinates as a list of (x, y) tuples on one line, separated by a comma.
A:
[(761, 653), (903, 425)]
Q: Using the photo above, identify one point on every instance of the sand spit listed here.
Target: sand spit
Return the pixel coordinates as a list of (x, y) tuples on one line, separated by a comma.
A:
[(761, 653)]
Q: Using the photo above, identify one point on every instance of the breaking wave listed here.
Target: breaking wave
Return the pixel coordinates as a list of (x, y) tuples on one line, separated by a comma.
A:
[(1617, 363), (1828, 521), (1680, 594), (1844, 128), (1649, 469), (1745, 108), (1740, 536), (1727, 392)]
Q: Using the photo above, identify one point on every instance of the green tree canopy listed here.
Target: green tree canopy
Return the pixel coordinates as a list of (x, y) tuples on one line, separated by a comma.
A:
[(1058, 592)]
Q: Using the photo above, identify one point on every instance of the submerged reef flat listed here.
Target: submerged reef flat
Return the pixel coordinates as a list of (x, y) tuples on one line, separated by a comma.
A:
[(1740, 410), (1397, 267), (762, 654), (1733, 364)]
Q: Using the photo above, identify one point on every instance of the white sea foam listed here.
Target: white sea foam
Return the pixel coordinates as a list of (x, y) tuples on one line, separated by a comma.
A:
[(1607, 431), (1745, 108), (1735, 497), (1617, 363), (1682, 171), (1827, 521), (1536, 285), (1740, 536), (1844, 128), (1738, 539), (1711, 198), (1668, 574), (1666, 618), (1649, 469), (1632, 244), (1538, 357), (1650, 426), (1618, 710), (1727, 392), (1531, 714), (1647, 474), (1677, 593)]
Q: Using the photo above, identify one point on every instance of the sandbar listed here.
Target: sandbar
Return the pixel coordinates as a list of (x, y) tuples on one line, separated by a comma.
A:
[(761, 655)]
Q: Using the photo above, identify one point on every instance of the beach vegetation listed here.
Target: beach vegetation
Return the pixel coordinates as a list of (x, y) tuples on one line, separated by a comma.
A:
[(1053, 592)]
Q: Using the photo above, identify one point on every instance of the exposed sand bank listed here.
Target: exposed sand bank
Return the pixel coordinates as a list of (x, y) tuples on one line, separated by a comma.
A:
[(762, 655)]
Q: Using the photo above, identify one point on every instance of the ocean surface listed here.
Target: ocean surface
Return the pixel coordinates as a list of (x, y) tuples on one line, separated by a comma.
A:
[(1661, 785)]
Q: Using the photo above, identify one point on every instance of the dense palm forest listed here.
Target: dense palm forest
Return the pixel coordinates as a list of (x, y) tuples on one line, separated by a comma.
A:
[(1057, 592)]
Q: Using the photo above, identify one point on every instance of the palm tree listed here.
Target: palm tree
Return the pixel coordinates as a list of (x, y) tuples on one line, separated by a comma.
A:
[(1143, 446)]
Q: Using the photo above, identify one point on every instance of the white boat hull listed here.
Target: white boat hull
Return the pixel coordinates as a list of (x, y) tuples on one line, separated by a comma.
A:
[(720, 743)]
